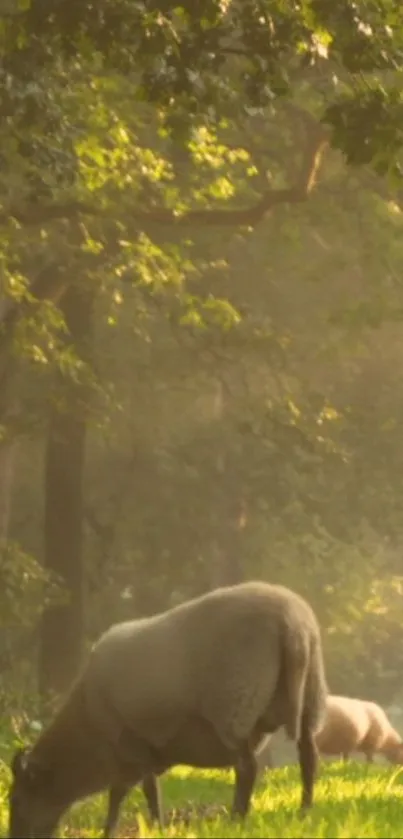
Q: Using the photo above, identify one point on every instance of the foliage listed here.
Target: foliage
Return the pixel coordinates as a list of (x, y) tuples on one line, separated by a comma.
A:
[(199, 59), (24, 586), (26, 590), (109, 91)]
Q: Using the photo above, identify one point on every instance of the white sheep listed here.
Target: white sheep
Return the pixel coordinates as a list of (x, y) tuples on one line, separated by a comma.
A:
[(355, 725)]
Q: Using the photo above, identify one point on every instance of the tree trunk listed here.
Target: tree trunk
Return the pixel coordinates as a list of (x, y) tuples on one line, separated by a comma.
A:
[(8, 452), (8, 445), (62, 624)]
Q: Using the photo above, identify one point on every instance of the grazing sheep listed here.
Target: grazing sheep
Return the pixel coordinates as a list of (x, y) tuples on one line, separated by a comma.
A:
[(199, 684), (357, 725)]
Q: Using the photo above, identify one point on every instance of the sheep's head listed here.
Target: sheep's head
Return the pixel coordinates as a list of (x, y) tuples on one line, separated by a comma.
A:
[(395, 753), (33, 810)]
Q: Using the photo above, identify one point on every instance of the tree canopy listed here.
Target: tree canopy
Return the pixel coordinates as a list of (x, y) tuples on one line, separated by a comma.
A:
[(200, 244)]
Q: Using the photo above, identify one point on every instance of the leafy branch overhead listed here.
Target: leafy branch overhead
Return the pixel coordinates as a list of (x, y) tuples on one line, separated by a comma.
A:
[(248, 216), (136, 117), (189, 65)]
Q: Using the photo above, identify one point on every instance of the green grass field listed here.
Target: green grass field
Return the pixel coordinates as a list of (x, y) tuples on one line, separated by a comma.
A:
[(351, 801)]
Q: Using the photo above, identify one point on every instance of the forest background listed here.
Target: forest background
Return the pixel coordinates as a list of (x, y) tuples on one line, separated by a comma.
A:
[(201, 304)]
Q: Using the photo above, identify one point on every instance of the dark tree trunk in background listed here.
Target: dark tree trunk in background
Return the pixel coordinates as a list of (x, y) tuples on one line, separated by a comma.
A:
[(61, 632), (8, 453), (8, 446)]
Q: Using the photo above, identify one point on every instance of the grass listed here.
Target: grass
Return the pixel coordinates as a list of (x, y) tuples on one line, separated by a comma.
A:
[(353, 800)]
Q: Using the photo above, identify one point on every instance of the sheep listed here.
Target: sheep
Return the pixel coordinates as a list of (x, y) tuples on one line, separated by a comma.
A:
[(350, 725), (358, 725), (199, 684)]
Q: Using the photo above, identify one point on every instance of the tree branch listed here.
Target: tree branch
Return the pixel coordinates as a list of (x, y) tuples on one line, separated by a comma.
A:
[(245, 216), (53, 282)]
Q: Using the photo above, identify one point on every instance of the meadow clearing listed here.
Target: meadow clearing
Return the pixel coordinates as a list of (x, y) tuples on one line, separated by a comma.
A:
[(352, 800)]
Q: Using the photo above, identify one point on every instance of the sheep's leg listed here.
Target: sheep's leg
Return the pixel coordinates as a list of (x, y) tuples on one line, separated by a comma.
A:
[(369, 756), (308, 761), (152, 792), (245, 777), (116, 795), (345, 756), (134, 771)]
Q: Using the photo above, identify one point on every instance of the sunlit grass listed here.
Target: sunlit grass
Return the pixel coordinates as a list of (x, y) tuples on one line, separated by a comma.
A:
[(352, 800)]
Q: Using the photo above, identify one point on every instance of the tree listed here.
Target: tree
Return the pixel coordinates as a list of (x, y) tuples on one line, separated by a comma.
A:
[(196, 66), (62, 628), (149, 130)]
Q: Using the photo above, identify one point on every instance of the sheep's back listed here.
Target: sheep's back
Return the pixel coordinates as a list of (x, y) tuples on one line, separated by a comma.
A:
[(136, 675), (218, 655)]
